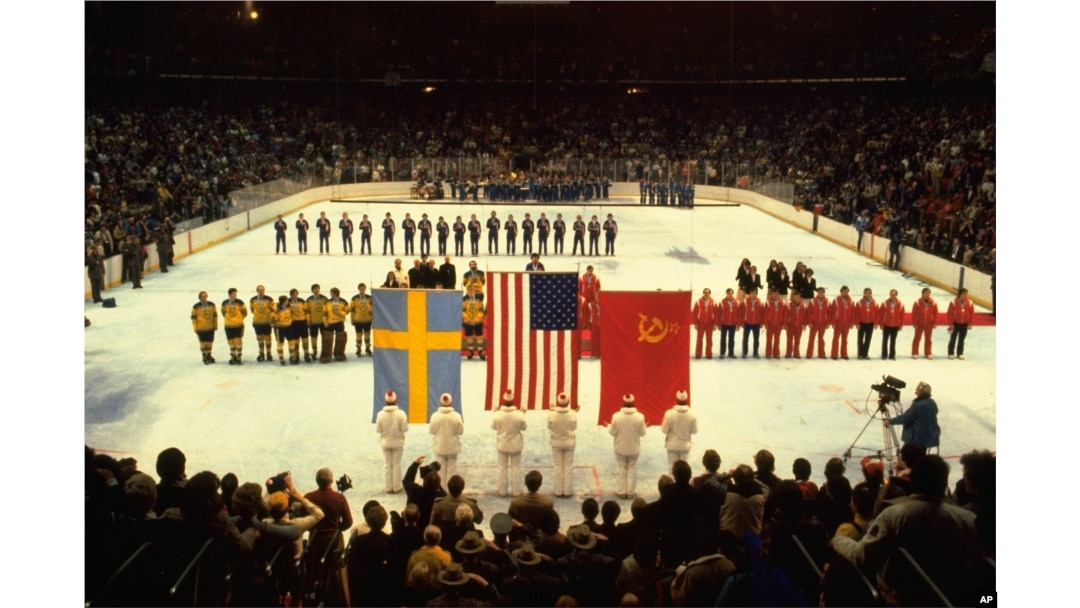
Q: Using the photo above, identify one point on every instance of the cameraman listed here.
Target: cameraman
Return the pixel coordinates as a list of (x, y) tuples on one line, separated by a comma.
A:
[(920, 420), (337, 516)]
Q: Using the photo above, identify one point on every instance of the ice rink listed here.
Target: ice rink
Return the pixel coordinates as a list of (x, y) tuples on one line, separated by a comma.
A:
[(146, 388)]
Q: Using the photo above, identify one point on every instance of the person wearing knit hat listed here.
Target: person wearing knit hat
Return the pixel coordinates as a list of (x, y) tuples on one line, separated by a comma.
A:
[(446, 426), (562, 425), (508, 422), (391, 424), (678, 426), (278, 504), (627, 427)]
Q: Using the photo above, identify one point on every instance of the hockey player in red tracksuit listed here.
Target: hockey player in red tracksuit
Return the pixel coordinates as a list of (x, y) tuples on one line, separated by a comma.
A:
[(819, 320), (891, 318), (842, 317), (729, 319), (705, 321), (589, 313), (961, 311), (923, 319), (798, 315), (775, 319), (866, 312), (752, 313)]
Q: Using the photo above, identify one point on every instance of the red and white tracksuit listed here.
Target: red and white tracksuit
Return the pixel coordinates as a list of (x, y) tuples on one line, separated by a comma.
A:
[(924, 314), (819, 320), (705, 321), (775, 319), (798, 315), (842, 317)]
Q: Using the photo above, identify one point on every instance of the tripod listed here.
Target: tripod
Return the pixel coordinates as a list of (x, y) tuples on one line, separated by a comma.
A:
[(891, 450)]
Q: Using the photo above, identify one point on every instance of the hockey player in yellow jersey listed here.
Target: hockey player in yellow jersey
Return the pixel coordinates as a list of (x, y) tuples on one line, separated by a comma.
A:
[(360, 310), (472, 319), (233, 312), (262, 313), (316, 310), (474, 277), (281, 319), (204, 322), (298, 331), (333, 327)]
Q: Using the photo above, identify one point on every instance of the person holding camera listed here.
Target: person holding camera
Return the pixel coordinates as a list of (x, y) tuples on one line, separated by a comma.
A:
[(920, 423), (279, 502), (337, 517), (425, 493)]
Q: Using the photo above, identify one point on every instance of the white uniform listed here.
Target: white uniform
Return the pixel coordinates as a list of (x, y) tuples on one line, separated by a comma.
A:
[(678, 426), (627, 427), (391, 424), (508, 422), (562, 424), (446, 426)]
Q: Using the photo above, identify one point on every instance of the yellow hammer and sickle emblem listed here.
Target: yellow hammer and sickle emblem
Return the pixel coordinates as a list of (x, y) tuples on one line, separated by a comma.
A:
[(645, 333)]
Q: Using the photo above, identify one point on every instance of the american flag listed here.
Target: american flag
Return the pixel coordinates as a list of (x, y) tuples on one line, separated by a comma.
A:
[(533, 338)]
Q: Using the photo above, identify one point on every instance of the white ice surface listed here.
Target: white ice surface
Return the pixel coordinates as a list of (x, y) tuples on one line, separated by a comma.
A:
[(146, 388)]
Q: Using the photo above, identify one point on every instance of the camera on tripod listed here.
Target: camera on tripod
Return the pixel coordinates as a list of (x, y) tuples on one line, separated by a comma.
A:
[(888, 390)]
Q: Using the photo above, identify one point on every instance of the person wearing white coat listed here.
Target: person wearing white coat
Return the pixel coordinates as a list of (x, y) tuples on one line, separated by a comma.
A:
[(678, 426), (391, 424), (446, 426), (562, 425), (627, 427), (508, 422)]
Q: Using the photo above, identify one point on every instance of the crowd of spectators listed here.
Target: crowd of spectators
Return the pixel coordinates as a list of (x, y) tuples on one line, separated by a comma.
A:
[(749, 536), (920, 158)]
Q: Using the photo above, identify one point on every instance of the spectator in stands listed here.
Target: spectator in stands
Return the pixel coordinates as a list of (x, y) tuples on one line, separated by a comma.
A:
[(744, 506), (170, 469), (531, 508)]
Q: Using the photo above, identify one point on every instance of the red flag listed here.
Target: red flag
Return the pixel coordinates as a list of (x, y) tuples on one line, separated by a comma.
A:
[(532, 337), (650, 331)]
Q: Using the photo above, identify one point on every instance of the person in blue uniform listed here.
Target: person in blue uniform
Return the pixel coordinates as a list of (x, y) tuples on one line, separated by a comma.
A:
[(527, 229), (425, 234), (408, 230), (459, 236), (511, 229), (279, 240), (388, 229), (475, 228), (543, 228), (493, 225), (579, 236), (611, 230), (323, 224), (346, 228), (301, 234), (594, 236), (559, 229), (365, 234), (442, 232)]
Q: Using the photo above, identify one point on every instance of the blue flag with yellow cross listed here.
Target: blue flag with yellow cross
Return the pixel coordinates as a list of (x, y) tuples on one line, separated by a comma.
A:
[(417, 339)]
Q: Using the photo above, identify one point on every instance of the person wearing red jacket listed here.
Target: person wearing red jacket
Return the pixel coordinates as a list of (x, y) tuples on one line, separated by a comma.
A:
[(705, 321), (866, 311), (961, 311), (798, 315), (819, 320), (841, 317), (891, 315), (751, 313), (728, 317), (775, 319), (589, 308), (924, 314)]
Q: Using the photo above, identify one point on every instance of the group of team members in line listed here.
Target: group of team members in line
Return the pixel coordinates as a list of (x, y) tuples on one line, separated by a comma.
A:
[(302, 322), (290, 319), (817, 314), (627, 427), (542, 228)]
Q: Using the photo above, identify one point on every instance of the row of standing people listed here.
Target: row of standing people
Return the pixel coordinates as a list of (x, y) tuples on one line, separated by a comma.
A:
[(441, 229), (817, 314), (627, 427)]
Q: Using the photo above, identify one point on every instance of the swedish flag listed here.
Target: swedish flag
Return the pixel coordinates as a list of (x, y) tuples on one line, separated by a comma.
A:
[(417, 349)]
